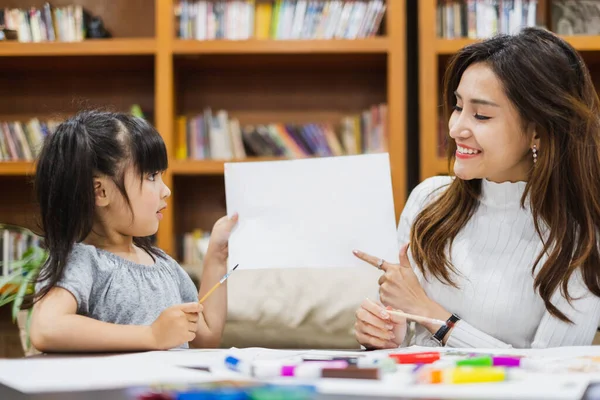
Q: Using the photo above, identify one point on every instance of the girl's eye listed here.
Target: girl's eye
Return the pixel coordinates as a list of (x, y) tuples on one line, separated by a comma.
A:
[(481, 117), (152, 176)]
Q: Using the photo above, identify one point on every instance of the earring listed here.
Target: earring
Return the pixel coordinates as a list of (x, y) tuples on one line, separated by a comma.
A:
[(534, 150)]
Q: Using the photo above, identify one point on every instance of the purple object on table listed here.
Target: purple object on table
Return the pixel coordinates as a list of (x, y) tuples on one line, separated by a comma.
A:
[(506, 361)]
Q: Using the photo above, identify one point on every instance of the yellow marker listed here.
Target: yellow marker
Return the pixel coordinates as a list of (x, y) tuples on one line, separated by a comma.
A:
[(474, 375)]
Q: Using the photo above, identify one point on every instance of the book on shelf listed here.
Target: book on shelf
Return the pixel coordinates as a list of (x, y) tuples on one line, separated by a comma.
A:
[(219, 136), (581, 17), (279, 19), (13, 244), (22, 141), (477, 19), (48, 24), (192, 247)]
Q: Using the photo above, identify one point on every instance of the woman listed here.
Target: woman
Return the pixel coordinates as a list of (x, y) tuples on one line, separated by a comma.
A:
[(507, 251)]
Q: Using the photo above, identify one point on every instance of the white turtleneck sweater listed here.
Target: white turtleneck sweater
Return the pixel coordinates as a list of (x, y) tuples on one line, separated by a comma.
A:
[(494, 254)]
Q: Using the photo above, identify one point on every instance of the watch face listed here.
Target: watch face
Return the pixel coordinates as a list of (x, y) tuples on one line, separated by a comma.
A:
[(434, 342)]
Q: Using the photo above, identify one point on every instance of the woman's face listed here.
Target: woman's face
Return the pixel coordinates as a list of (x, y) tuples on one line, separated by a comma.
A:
[(488, 131)]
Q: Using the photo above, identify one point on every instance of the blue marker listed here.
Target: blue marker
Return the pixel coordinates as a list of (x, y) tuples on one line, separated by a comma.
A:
[(235, 364)]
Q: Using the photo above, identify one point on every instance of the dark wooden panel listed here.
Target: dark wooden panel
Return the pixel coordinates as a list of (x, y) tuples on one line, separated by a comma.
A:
[(10, 343), (199, 202), (273, 86), (65, 85), (17, 203)]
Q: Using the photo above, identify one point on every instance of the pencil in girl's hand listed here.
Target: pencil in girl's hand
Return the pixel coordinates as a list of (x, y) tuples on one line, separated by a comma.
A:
[(223, 279)]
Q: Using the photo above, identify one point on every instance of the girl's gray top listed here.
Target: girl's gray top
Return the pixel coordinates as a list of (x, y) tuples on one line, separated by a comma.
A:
[(112, 289)]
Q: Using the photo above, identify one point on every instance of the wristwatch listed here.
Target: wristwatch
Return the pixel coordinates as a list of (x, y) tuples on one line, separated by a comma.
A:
[(438, 337)]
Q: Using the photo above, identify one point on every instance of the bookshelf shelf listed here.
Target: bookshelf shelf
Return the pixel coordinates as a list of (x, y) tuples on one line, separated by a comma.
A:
[(209, 167), (370, 45), (96, 47), (580, 43), (16, 168)]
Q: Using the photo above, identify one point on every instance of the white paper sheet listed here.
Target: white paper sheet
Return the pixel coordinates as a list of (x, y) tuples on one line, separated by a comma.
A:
[(311, 212), (91, 373)]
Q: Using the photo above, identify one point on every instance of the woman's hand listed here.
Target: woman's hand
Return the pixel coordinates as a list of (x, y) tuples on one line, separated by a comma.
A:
[(218, 247), (376, 329), (399, 288)]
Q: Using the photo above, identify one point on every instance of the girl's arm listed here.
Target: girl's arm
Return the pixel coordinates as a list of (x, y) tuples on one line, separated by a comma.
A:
[(56, 327), (214, 315)]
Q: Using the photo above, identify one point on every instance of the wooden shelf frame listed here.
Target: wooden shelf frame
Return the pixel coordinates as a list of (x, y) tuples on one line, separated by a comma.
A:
[(92, 47), (164, 47)]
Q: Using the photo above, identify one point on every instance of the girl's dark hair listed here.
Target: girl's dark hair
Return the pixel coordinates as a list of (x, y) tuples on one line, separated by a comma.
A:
[(93, 143), (550, 86)]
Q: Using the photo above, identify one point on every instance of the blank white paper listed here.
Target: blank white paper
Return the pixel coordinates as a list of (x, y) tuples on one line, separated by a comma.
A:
[(311, 212)]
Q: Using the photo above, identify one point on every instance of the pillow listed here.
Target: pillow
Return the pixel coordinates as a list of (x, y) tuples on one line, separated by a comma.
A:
[(313, 301)]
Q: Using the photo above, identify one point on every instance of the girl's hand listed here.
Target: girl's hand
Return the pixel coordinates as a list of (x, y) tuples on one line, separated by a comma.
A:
[(376, 329), (175, 326), (218, 247)]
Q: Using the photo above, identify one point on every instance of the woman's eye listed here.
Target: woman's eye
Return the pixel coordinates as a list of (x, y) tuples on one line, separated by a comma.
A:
[(481, 117)]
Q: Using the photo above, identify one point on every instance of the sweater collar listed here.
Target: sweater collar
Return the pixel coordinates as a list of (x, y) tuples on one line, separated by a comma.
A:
[(505, 194)]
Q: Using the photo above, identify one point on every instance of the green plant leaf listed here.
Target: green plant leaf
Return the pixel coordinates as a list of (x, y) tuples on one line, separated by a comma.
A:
[(28, 329), (7, 300), (20, 294), (12, 279)]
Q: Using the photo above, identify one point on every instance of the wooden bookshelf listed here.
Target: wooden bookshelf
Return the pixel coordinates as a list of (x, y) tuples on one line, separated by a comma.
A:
[(209, 167), (257, 81), (581, 43), (95, 47), (17, 168), (434, 52), (371, 45)]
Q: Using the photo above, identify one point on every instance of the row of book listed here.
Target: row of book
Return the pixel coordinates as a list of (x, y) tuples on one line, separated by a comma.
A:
[(477, 19), (279, 19), (218, 136), (23, 140), (576, 17), (62, 24), (192, 247), (13, 244)]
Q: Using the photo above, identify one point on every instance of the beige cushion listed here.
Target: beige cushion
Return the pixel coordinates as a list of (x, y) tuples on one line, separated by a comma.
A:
[(309, 308)]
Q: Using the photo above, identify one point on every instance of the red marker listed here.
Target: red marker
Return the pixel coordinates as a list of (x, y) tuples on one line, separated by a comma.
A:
[(415, 358)]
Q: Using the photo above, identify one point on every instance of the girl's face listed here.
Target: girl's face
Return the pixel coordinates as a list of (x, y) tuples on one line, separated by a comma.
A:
[(488, 131), (147, 198)]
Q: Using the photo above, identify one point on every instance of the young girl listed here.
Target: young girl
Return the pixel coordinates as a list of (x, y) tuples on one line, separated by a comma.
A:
[(104, 286)]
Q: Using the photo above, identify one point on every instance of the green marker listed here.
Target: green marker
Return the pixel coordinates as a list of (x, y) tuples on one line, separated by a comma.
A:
[(481, 361)]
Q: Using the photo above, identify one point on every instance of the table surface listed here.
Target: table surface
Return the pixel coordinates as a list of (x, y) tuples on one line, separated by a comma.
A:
[(6, 393)]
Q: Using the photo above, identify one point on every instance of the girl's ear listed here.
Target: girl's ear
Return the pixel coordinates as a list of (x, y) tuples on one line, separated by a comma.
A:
[(101, 190)]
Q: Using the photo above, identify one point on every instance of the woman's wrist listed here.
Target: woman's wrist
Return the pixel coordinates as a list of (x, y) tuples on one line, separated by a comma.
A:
[(433, 310)]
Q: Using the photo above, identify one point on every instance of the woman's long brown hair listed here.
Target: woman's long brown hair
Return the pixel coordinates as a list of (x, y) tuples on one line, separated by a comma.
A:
[(550, 86)]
